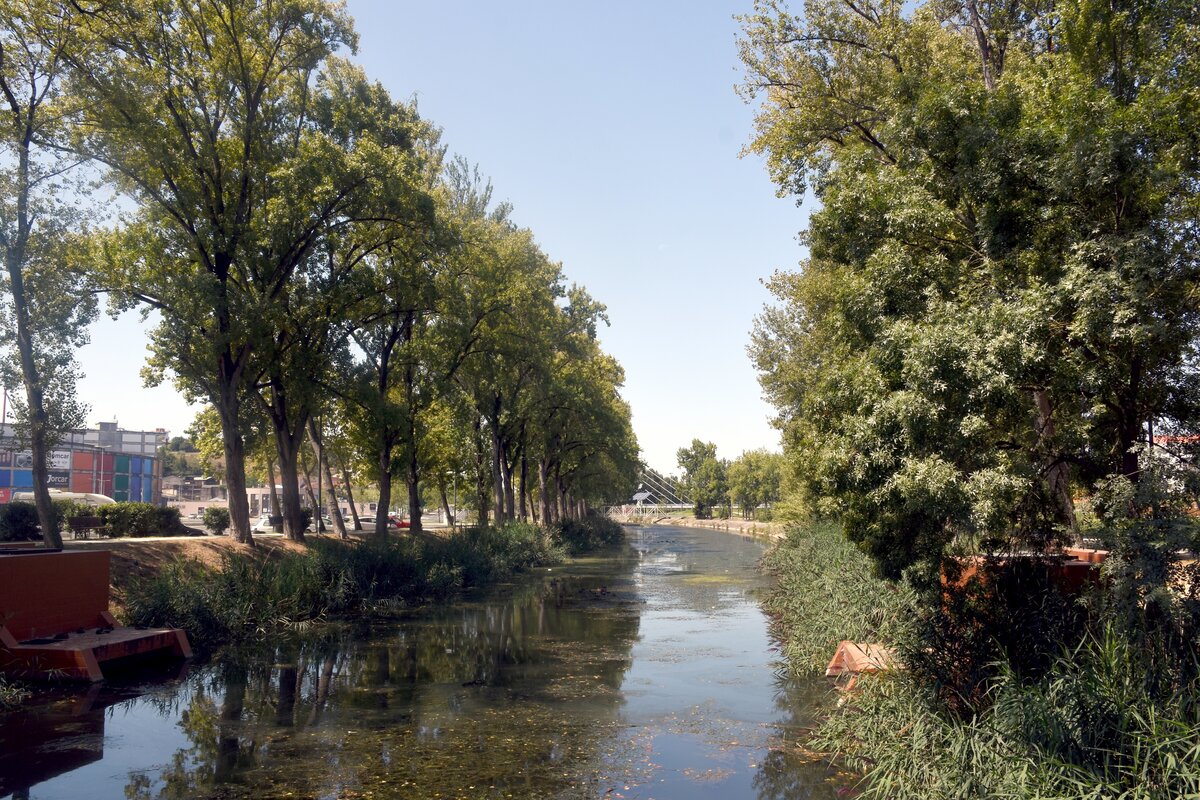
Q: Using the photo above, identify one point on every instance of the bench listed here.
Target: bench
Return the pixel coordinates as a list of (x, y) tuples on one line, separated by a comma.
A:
[(84, 527), (54, 619)]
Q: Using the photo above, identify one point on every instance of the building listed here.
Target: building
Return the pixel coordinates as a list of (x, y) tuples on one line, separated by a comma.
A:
[(104, 460)]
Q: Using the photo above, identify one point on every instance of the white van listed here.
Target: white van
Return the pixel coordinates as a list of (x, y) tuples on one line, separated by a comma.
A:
[(86, 498)]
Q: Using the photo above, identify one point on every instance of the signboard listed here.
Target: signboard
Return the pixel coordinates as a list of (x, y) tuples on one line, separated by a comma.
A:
[(59, 459), (6, 458), (5, 495), (59, 479), (23, 459)]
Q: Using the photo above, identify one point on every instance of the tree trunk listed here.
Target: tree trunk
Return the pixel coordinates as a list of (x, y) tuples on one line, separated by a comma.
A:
[(326, 474), (275, 512), (562, 499), (350, 497), (446, 505), (497, 474), (39, 420), (289, 479), (1057, 474), (313, 503), (414, 493), (481, 490), (381, 509), (510, 504), (524, 510), (229, 410), (544, 491)]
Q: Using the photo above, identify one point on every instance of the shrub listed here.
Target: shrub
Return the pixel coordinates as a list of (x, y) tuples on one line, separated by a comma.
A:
[(11, 694), (139, 519), (168, 522), (590, 533), (19, 522), (216, 520)]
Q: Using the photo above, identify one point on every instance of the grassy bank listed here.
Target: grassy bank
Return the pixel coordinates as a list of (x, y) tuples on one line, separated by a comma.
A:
[(1099, 723), (247, 596)]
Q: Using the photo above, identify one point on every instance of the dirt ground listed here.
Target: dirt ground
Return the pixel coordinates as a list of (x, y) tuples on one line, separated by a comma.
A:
[(140, 558)]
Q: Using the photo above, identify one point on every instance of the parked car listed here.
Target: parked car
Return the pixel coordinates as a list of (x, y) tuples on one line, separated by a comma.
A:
[(394, 521), (263, 525)]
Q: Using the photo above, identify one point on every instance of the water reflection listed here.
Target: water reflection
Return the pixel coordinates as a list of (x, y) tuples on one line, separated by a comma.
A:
[(644, 673)]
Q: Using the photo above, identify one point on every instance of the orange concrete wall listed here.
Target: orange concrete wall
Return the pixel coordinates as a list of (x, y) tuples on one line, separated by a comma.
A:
[(42, 594)]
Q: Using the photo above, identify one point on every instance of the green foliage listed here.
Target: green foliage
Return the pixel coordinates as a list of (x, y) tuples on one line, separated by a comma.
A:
[(18, 522), (1107, 717), (590, 533), (250, 596), (139, 519), (998, 297), (703, 477), (755, 479), (825, 593), (11, 694), (1088, 729), (216, 520)]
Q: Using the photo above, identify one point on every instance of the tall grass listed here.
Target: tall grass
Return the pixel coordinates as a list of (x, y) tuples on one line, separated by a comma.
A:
[(1087, 730), (11, 694), (251, 596), (1095, 724), (824, 592)]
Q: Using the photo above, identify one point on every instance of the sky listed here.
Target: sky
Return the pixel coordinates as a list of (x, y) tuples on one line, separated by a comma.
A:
[(614, 130)]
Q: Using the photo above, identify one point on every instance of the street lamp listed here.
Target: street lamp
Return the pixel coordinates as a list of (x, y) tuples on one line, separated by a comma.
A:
[(100, 448)]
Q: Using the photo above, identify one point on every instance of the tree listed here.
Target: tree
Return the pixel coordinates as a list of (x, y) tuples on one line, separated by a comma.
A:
[(47, 306), (754, 479), (703, 476), (203, 114), (999, 296)]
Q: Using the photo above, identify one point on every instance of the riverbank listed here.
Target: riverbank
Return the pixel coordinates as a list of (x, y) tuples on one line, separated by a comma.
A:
[(1096, 723), (747, 527)]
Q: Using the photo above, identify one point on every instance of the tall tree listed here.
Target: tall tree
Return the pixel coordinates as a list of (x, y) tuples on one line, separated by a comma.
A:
[(999, 295), (47, 307), (203, 113)]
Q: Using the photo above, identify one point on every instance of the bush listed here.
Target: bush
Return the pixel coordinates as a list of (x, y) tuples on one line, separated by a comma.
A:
[(19, 522), (216, 520), (168, 522), (139, 519), (11, 694), (590, 533)]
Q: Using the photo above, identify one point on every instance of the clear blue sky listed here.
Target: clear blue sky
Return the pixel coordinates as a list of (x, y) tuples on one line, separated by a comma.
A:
[(614, 130)]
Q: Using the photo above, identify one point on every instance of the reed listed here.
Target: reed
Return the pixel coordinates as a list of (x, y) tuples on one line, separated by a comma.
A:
[(1104, 720), (249, 596)]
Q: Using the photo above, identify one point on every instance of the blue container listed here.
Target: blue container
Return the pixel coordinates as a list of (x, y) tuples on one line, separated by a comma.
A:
[(135, 486), (147, 491), (22, 479), (147, 466), (5, 478), (135, 465)]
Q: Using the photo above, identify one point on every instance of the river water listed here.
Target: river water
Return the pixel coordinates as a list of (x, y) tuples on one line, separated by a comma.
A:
[(646, 672)]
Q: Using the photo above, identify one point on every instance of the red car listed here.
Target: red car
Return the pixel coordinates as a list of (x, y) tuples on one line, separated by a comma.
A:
[(395, 522)]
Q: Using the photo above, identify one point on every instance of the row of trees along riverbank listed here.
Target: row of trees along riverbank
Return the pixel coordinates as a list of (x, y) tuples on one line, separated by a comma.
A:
[(309, 250), (991, 349)]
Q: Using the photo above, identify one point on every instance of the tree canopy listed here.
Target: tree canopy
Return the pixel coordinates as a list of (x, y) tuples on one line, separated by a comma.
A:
[(998, 308)]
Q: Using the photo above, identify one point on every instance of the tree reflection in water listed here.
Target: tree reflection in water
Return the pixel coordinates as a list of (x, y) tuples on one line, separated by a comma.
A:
[(495, 698)]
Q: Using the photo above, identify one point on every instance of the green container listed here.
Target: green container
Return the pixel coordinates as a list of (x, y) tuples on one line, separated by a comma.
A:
[(120, 496), (121, 483), (122, 465)]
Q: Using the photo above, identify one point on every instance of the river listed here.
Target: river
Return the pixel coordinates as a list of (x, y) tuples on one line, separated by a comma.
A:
[(645, 672)]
